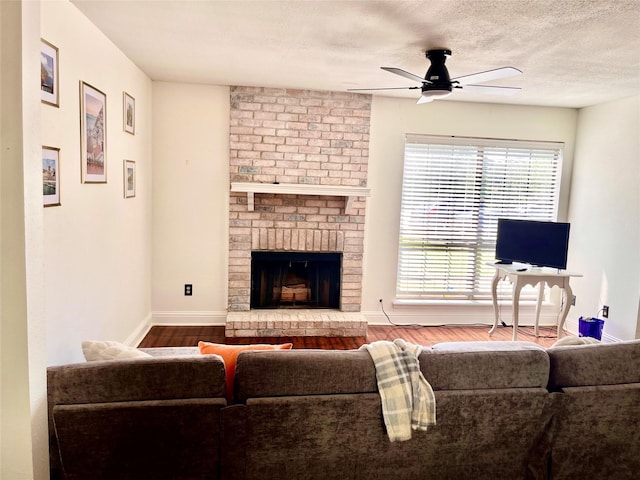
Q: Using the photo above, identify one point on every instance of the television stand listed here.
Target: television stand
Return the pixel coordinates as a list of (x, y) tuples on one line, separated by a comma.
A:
[(531, 276)]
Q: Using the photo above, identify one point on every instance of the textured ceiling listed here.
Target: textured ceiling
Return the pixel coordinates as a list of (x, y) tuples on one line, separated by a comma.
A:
[(573, 53)]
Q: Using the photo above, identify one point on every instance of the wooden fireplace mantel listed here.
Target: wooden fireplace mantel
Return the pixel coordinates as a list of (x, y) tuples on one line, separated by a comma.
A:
[(301, 189)]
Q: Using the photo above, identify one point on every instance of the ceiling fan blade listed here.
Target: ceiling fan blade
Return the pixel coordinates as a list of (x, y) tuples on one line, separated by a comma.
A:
[(405, 74), (487, 76), (383, 88), (490, 90), (422, 100)]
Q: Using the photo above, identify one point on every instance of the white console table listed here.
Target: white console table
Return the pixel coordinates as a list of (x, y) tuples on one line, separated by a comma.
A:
[(519, 276)]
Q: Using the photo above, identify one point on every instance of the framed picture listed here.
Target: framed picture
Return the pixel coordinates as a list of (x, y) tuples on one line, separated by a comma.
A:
[(129, 111), (93, 128), (129, 178), (50, 176), (49, 73)]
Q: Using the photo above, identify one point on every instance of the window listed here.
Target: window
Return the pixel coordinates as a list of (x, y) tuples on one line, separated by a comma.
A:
[(454, 190)]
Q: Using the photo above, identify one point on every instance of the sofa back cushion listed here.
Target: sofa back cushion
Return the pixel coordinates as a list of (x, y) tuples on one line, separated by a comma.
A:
[(450, 366), (138, 379), (485, 365), (303, 372), (595, 364)]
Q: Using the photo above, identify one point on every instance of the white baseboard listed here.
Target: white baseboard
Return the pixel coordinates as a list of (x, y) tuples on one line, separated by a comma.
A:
[(454, 318), (139, 332), (189, 318)]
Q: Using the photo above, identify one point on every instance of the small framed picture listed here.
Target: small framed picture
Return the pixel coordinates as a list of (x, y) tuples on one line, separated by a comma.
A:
[(93, 128), (129, 111), (50, 176), (129, 178), (49, 73)]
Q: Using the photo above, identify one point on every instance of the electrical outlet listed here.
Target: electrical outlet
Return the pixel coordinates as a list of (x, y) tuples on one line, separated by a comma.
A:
[(573, 300), (188, 289), (605, 311)]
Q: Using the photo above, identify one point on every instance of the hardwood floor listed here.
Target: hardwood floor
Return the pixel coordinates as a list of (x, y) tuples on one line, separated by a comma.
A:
[(187, 336)]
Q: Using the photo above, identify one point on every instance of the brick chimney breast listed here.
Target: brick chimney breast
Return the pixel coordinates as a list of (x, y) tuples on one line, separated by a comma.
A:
[(305, 137)]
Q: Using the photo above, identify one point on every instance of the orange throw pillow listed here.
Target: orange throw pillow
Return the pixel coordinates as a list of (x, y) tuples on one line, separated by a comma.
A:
[(229, 354)]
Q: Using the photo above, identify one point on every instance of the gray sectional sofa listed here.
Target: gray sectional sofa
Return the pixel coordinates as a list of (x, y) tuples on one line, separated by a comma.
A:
[(505, 410)]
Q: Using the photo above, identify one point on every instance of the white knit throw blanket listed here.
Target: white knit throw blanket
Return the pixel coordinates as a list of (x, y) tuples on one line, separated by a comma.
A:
[(408, 402)]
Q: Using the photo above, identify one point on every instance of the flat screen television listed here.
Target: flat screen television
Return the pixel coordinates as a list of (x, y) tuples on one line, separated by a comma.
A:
[(542, 244)]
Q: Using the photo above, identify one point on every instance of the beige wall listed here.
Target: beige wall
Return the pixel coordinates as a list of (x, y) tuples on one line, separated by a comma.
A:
[(605, 214), (97, 243), (22, 360), (191, 199)]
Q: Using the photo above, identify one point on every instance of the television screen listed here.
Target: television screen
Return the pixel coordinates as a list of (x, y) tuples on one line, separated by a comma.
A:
[(542, 244)]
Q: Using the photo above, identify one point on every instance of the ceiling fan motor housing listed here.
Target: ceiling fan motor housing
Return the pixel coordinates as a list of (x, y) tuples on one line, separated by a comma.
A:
[(437, 75)]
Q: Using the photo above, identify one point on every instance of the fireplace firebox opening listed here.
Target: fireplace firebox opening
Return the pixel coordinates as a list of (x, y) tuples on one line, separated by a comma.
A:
[(295, 279)]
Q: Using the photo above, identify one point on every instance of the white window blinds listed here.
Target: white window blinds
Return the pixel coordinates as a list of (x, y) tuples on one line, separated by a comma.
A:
[(454, 190)]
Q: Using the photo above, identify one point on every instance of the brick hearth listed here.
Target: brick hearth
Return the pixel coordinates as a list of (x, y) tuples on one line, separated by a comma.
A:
[(283, 136), (295, 323)]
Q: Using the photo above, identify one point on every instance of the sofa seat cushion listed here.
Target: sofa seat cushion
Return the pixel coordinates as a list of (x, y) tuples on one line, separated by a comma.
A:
[(486, 346), (171, 351)]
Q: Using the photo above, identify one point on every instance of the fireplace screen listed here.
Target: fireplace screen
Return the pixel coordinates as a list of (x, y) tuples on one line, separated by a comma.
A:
[(295, 280)]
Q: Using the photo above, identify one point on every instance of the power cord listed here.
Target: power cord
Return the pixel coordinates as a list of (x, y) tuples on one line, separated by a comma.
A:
[(502, 322), (413, 325), (417, 325), (524, 332)]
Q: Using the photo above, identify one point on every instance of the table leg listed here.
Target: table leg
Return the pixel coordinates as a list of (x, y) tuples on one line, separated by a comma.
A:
[(516, 306), (568, 297), (541, 286), (494, 297)]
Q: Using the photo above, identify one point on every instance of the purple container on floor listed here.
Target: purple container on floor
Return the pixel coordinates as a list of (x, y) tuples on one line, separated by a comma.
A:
[(590, 327)]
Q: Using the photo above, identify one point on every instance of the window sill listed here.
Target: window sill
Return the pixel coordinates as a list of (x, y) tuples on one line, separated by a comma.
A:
[(413, 303)]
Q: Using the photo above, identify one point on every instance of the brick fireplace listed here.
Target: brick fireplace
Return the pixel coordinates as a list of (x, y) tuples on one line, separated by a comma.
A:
[(295, 280), (298, 167)]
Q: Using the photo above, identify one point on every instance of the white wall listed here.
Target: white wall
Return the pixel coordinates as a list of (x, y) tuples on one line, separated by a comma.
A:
[(191, 199), (391, 119), (97, 243), (23, 432), (605, 214)]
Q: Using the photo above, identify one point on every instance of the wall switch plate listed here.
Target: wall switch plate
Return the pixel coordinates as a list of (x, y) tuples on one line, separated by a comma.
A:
[(188, 289)]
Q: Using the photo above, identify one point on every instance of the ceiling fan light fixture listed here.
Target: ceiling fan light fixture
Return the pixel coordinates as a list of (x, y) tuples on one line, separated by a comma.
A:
[(436, 93)]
